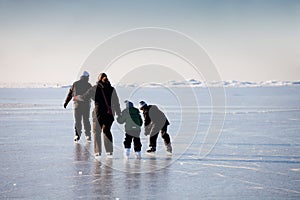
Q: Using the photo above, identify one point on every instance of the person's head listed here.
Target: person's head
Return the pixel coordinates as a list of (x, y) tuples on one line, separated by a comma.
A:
[(128, 104), (85, 75), (142, 105), (102, 78)]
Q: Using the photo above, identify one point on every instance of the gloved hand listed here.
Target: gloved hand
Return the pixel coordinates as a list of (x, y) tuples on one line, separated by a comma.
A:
[(146, 133), (65, 105), (119, 120)]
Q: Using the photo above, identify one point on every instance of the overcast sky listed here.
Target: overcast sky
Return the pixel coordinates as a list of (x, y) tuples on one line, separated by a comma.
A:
[(48, 41)]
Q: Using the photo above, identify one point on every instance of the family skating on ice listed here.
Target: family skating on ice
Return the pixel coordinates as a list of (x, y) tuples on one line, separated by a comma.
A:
[(107, 105)]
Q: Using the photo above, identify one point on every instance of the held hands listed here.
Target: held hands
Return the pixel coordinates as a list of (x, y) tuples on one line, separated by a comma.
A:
[(146, 133), (119, 119), (77, 98), (147, 130)]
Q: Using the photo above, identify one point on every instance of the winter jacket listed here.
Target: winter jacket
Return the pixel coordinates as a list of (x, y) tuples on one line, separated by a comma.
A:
[(154, 119), (132, 119), (78, 88), (101, 110)]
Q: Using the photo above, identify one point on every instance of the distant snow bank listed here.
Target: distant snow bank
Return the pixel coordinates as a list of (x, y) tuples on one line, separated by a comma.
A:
[(187, 83), (33, 85), (204, 84)]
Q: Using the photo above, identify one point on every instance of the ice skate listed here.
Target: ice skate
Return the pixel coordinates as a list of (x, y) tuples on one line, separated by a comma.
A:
[(126, 153), (76, 139), (138, 155), (97, 156), (151, 150), (88, 138), (169, 149), (109, 155)]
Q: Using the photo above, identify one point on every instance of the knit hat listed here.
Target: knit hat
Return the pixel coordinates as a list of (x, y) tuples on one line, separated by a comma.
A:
[(142, 104), (129, 104), (85, 74)]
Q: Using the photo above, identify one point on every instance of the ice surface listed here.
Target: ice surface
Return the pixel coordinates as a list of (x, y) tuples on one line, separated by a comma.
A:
[(256, 157)]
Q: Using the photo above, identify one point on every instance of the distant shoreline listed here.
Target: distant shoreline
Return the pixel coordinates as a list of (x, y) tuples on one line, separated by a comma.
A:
[(174, 84)]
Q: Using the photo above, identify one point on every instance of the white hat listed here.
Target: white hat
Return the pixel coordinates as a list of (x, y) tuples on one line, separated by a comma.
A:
[(86, 74), (142, 104)]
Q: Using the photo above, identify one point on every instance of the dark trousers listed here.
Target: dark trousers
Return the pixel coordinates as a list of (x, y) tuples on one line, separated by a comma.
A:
[(102, 126), (135, 136), (164, 135), (82, 113)]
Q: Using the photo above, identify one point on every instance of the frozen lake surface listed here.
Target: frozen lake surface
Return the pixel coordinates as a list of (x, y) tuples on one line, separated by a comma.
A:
[(257, 155)]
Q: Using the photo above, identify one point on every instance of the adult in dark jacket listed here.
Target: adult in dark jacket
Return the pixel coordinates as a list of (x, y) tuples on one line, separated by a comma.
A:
[(106, 106), (81, 108), (155, 121), (133, 122)]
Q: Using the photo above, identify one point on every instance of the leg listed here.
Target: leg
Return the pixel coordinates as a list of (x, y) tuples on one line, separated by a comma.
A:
[(153, 139), (107, 136), (86, 122), (166, 138), (127, 141), (136, 140), (137, 144), (127, 144), (97, 137), (78, 118), (165, 135)]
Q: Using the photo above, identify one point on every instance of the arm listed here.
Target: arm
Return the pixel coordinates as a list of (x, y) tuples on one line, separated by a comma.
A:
[(121, 118), (147, 122), (69, 96), (115, 103), (90, 94), (147, 119), (140, 121)]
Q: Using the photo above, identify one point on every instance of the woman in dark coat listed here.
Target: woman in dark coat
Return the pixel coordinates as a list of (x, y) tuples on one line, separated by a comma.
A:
[(106, 106)]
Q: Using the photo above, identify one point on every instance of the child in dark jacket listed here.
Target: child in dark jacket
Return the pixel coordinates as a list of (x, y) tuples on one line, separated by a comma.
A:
[(133, 122)]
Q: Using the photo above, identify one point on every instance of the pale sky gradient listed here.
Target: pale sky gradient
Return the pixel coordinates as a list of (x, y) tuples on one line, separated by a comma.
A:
[(48, 41)]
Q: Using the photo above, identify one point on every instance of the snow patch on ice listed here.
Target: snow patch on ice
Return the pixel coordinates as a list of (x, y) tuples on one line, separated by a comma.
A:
[(230, 166), (186, 172), (204, 84), (220, 175), (34, 85), (295, 170), (258, 188)]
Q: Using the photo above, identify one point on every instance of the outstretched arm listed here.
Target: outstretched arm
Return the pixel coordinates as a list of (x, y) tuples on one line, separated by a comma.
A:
[(69, 96), (115, 103)]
